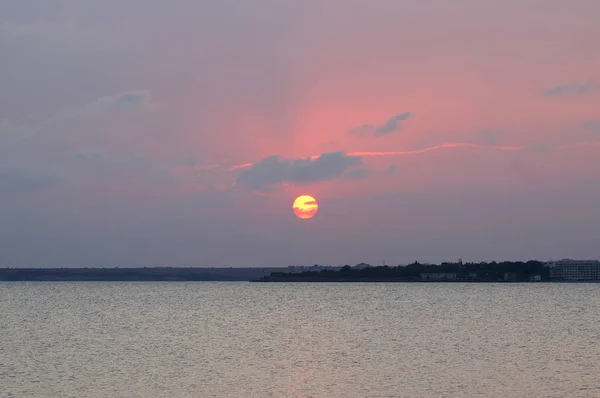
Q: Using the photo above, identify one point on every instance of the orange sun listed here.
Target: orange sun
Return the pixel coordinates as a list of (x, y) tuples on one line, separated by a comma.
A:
[(305, 207)]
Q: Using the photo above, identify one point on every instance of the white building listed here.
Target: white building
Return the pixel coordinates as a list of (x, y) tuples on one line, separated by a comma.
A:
[(575, 270), (510, 276)]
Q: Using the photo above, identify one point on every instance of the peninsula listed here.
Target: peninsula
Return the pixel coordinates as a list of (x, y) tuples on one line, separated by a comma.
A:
[(530, 271)]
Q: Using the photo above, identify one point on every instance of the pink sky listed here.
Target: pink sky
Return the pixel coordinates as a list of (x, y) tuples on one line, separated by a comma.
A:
[(122, 127)]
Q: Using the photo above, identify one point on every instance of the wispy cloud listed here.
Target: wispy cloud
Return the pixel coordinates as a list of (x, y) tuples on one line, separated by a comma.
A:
[(132, 98), (570, 88), (13, 131), (186, 161), (391, 126), (89, 111), (435, 148), (125, 100), (275, 166), (18, 180), (101, 158), (118, 166)]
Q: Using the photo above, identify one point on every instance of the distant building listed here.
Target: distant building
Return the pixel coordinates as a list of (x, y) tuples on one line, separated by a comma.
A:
[(436, 276), (535, 278), (575, 270), (510, 276)]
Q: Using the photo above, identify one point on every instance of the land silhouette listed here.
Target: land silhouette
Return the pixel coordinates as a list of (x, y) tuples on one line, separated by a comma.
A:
[(415, 272), (134, 274)]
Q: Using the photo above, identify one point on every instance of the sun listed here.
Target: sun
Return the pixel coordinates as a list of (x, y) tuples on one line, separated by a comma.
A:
[(305, 207)]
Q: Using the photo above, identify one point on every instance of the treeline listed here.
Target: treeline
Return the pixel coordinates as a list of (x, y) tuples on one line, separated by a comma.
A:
[(134, 274), (483, 272)]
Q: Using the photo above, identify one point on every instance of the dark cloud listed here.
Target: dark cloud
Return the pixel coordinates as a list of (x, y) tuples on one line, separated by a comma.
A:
[(389, 127), (16, 181), (570, 88), (273, 170)]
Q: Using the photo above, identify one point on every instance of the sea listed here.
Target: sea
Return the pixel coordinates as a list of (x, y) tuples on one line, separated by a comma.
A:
[(223, 339)]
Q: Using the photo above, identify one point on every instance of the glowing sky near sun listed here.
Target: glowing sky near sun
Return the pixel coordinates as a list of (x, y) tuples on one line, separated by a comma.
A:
[(142, 133)]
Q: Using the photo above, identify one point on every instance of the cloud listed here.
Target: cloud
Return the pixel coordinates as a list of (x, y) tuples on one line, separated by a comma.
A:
[(101, 158), (89, 111), (120, 166), (389, 127), (571, 88), (16, 181), (359, 174), (540, 148), (186, 161), (593, 125), (390, 170), (362, 130), (273, 170), (491, 137), (132, 98), (214, 198)]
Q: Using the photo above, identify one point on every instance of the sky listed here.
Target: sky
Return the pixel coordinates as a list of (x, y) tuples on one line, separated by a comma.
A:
[(152, 133)]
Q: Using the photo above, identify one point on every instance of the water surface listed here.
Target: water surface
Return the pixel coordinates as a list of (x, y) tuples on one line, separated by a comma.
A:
[(208, 339)]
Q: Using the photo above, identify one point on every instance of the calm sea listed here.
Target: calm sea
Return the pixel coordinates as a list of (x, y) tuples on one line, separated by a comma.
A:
[(299, 340)]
